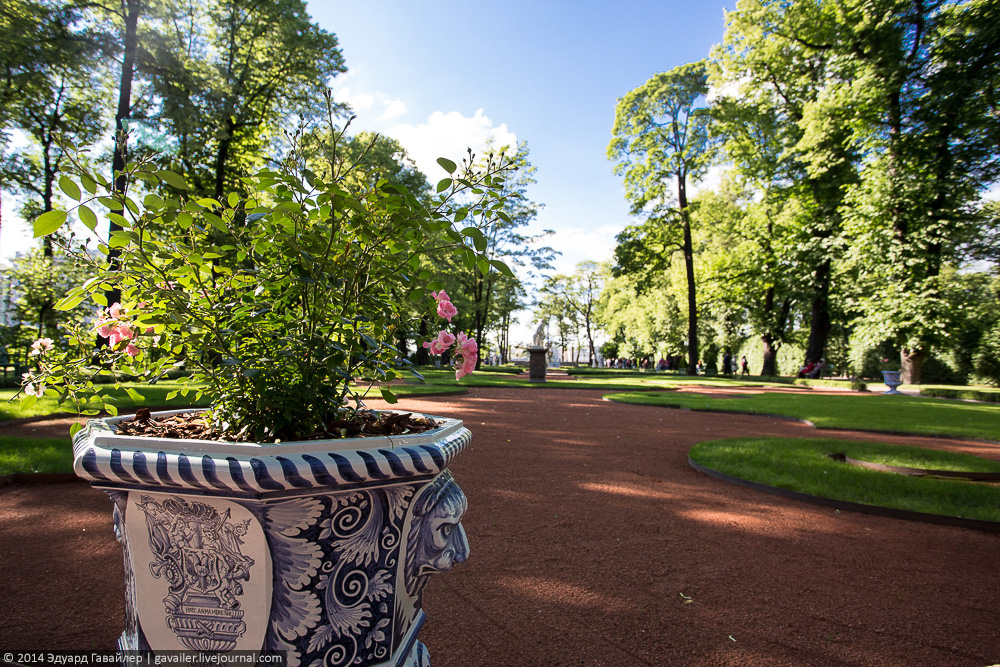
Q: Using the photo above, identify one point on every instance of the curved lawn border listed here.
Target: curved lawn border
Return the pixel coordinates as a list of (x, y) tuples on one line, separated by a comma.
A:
[(876, 510), (800, 420)]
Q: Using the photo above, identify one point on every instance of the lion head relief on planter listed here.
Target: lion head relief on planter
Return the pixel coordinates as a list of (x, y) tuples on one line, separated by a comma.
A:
[(436, 540)]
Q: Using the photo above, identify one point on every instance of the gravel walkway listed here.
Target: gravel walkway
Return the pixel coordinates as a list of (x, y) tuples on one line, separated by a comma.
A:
[(594, 543)]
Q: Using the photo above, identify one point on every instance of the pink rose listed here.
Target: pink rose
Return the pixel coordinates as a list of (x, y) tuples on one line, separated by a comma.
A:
[(447, 310), (467, 345), (121, 332), (131, 349), (441, 296), (41, 346), (440, 344), (467, 365)]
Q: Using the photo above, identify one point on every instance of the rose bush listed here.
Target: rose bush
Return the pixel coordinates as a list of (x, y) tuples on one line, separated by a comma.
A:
[(272, 299)]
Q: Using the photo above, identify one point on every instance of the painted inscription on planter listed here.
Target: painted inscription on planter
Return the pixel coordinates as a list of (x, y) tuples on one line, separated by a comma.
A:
[(208, 558)]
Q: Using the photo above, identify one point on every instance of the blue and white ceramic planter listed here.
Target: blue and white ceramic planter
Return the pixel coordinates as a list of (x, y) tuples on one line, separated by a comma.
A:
[(892, 380), (318, 548)]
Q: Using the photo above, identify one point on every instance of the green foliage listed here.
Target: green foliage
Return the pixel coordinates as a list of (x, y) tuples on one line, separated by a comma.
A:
[(274, 299), (803, 466), (981, 394), (225, 76), (571, 300), (660, 139), (39, 282), (988, 356)]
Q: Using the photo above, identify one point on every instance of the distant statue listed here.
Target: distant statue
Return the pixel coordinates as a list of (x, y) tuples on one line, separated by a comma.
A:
[(539, 338)]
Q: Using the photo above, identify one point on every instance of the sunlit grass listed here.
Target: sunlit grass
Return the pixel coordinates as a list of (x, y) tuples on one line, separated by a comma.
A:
[(803, 465), (153, 395), (892, 414), (35, 455)]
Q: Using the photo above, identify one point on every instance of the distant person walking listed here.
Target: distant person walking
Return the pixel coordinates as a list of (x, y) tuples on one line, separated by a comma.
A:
[(746, 366)]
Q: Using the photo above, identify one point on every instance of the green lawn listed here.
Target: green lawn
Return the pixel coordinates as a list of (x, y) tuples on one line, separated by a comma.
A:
[(803, 465), (868, 412), (153, 395), (35, 455)]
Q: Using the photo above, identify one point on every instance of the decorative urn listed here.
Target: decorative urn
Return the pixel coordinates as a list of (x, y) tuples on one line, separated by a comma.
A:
[(892, 380), (319, 549)]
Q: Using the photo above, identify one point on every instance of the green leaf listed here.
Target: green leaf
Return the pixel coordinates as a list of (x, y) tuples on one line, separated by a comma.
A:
[(173, 179), (448, 165), (216, 222), (443, 184), (49, 222), (70, 301), (501, 267), (88, 183), (134, 395), (87, 217), (388, 395), (28, 402), (112, 410), (71, 189), (153, 201), (75, 428)]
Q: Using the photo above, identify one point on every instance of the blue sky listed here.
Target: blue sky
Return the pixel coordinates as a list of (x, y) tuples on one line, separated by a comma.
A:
[(439, 76)]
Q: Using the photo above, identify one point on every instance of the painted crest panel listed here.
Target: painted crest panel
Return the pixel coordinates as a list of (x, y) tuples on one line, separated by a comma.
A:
[(204, 570)]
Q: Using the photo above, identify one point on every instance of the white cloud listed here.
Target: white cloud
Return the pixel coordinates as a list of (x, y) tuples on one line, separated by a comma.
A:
[(357, 101), (580, 244), (394, 109), (449, 135)]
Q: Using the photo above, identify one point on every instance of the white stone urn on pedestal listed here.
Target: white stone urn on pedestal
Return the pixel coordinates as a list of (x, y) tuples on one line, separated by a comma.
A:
[(318, 548), (892, 380)]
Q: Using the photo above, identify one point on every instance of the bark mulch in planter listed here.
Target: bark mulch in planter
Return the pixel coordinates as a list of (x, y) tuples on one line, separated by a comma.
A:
[(594, 543)]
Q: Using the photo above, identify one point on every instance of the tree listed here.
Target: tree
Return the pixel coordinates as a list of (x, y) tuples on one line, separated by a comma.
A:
[(226, 76), (476, 283), (644, 321), (39, 281), (786, 141), (923, 76), (661, 139), (575, 296), (52, 97), (747, 277)]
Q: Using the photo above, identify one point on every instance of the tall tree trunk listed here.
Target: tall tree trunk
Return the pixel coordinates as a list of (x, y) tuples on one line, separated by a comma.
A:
[(819, 326), (692, 368), (423, 357), (49, 178), (221, 158), (132, 10), (911, 362), (770, 366), (591, 351)]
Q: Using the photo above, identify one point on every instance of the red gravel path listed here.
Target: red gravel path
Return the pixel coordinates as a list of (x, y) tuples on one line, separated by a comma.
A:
[(594, 543)]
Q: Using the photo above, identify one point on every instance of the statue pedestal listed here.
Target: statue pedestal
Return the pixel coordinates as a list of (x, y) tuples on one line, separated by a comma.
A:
[(537, 363)]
